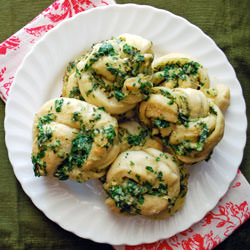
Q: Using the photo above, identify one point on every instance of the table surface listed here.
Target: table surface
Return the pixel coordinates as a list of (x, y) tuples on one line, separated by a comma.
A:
[(22, 225)]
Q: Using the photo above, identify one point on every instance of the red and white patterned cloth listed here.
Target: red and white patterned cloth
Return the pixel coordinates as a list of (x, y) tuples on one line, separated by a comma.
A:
[(231, 211)]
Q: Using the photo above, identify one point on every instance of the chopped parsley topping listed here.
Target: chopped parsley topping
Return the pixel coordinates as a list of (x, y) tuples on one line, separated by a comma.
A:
[(129, 196), (106, 49), (138, 177), (171, 102), (112, 70), (61, 174), (55, 146), (119, 95), (163, 155), (89, 92), (150, 169), (58, 104), (101, 108), (96, 117), (160, 123), (159, 175), (75, 93), (129, 49), (183, 183), (167, 94), (157, 158), (78, 74), (184, 119), (46, 119), (131, 64), (95, 85), (186, 147), (191, 68), (177, 71), (145, 88), (131, 163), (70, 66), (212, 110), (76, 116), (137, 140), (44, 135), (81, 147), (110, 134), (38, 165), (203, 136)]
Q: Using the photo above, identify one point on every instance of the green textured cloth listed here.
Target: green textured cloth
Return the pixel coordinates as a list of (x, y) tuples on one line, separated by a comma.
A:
[(22, 225)]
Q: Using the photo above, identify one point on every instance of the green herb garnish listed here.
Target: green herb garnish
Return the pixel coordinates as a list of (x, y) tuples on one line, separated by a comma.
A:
[(58, 104)]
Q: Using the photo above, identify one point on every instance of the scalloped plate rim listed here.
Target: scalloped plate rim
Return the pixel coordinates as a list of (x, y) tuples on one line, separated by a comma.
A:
[(59, 27)]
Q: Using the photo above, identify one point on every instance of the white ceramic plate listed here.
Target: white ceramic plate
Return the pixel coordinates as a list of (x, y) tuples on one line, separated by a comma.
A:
[(80, 208)]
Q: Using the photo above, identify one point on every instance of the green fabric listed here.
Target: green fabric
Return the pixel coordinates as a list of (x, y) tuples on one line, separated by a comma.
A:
[(22, 225)]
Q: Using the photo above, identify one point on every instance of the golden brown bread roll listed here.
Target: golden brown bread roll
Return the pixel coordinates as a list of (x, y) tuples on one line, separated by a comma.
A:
[(114, 74), (191, 125), (146, 182), (73, 139)]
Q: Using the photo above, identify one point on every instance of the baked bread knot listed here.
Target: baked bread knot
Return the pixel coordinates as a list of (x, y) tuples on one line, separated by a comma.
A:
[(114, 74), (73, 139), (147, 182), (190, 124)]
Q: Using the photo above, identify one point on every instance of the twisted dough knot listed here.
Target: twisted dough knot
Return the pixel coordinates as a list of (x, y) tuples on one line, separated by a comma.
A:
[(191, 125), (114, 74), (73, 139), (146, 182)]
